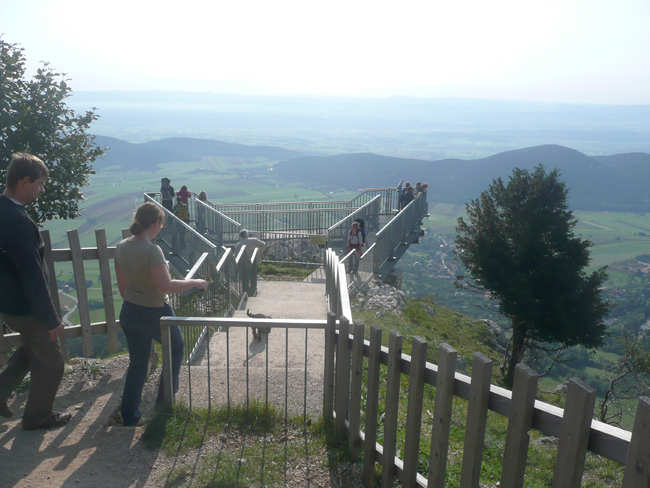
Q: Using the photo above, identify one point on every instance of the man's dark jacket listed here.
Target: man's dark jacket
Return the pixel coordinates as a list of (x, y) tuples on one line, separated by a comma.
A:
[(23, 275)]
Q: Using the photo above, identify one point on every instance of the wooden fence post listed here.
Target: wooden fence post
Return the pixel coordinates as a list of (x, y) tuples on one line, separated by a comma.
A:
[(519, 423), (637, 466), (328, 370), (392, 407), (342, 376), (442, 416), (414, 412), (82, 293), (476, 419), (574, 435), (107, 291), (356, 369), (54, 288), (372, 402)]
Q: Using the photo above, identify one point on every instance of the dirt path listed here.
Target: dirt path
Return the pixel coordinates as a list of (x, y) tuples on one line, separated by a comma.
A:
[(89, 453), (86, 452)]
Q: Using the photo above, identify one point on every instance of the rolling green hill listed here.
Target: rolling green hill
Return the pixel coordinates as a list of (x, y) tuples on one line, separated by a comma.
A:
[(618, 182), (148, 155)]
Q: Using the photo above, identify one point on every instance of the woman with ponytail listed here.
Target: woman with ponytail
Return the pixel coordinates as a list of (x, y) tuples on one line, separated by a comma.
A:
[(144, 281)]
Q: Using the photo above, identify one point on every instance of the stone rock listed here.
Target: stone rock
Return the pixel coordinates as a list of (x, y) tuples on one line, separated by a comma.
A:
[(293, 250), (382, 297), (496, 332)]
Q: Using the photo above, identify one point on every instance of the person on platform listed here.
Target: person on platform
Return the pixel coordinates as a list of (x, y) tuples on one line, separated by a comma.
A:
[(167, 194), (201, 211), (249, 284), (26, 305), (143, 280)]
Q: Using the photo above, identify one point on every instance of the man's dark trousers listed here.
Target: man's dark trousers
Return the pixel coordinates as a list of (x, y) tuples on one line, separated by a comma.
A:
[(42, 358)]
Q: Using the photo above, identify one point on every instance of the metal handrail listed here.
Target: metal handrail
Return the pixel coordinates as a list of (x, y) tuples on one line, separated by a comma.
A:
[(353, 214)]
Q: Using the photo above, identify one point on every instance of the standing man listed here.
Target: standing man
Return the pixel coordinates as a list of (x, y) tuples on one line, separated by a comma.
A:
[(249, 281), (25, 302)]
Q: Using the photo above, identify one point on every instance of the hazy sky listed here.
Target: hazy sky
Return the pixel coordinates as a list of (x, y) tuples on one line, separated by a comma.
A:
[(567, 50)]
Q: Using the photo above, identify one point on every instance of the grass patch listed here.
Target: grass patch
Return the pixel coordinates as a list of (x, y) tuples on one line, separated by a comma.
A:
[(253, 447), (184, 429), (297, 272)]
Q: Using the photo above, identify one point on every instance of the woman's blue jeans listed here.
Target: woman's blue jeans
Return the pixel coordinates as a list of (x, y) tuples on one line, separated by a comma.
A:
[(141, 325)]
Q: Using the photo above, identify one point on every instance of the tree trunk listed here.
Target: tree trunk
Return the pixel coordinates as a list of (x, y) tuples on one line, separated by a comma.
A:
[(516, 352)]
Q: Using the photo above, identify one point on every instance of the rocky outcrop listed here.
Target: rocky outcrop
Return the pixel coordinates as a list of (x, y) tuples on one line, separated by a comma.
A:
[(293, 250), (381, 297)]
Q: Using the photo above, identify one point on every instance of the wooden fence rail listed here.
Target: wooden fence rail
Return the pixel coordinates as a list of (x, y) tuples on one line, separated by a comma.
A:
[(77, 255), (577, 431)]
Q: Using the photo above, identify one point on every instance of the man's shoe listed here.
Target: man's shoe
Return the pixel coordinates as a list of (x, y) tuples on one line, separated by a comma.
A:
[(53, 421), (5, 411)]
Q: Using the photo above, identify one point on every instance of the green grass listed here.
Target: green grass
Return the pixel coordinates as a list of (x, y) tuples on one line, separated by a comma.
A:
[(285, 271), (258, 449)]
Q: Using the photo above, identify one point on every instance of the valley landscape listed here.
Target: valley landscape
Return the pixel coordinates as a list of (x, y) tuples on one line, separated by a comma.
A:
[(608, 193)]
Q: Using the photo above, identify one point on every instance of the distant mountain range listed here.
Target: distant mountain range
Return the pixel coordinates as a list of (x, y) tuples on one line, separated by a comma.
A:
[(148, 155), (617, 182)]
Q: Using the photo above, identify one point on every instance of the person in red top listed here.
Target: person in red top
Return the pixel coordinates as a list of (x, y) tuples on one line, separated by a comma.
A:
[(355, 242), (183, 195)]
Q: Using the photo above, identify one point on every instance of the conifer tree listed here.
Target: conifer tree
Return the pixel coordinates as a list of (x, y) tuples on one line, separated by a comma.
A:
[(518, 242)]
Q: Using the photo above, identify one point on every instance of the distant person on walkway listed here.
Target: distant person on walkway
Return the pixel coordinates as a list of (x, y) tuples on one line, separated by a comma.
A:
[(407, 195), (362, 229), (200, 212), (182, 211), (25, 302), (354, 242), (249, 281), (143, 280), (167, 194)]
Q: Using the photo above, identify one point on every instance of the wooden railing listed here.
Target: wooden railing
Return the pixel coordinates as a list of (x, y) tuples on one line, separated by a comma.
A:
[(223, 296), (345, 350), (77, 255)]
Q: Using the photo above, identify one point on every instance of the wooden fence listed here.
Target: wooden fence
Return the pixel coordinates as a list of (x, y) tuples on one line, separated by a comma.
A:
[(77, 255), (222, 297), (345, 350)]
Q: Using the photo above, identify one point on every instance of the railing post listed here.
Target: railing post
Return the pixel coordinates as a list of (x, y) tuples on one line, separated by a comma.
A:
[(442, 416), (82, 293), (167, 382), (637, 467), (54, 289), (372, 402), (519, 423), (574, 435), (356, 369), (328, 373), (392, 406), (342, 376), (107, 291), (476, 420), (414, 411)]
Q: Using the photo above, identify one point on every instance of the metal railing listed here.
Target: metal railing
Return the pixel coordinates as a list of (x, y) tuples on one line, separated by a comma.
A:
[(182, 243), (398, 233), (212, 223), (389, 199), (369, 212), (197, 303), (235, 334)]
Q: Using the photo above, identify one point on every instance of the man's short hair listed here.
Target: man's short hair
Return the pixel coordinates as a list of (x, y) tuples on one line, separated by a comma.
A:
[(243, 234), (24, 165)]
